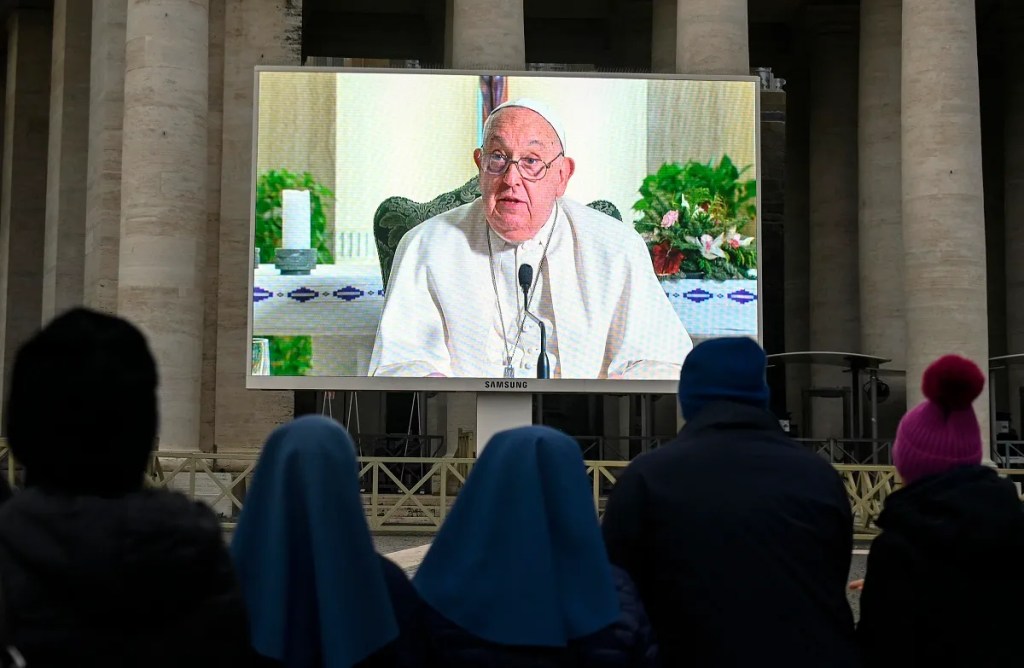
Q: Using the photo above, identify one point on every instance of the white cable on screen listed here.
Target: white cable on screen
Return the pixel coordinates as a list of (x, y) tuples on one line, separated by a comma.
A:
[(295, 218)]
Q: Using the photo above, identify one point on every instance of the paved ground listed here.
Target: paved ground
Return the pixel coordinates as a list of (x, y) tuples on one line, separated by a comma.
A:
[(407, 551)]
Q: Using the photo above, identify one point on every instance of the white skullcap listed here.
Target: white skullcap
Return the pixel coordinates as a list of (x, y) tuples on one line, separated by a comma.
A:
[(539, 107)]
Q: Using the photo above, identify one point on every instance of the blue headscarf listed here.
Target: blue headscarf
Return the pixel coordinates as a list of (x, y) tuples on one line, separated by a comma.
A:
[(520, 559), (311, 578)]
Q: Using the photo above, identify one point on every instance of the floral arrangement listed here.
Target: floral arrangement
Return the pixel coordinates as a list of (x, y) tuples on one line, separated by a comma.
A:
[(693, 218)]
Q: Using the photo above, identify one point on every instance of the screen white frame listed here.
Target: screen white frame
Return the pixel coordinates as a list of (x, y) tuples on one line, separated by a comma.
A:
[(522, 385)]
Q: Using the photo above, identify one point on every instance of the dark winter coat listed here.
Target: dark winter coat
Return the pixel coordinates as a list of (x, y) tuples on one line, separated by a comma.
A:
[(946, 577), (739, 541), (628, 643), (140, 580)]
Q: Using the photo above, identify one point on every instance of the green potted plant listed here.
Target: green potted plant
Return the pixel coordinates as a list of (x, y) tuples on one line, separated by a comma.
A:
[(290, 355), (268, 212), (695, 219)]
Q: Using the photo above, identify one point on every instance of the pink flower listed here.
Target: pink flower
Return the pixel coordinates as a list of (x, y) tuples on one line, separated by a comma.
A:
[(670, 218), (735, 240)]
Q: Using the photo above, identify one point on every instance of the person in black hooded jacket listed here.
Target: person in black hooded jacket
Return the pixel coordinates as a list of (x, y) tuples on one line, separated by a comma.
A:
[(95, 569), (738, 538), (948, 559)]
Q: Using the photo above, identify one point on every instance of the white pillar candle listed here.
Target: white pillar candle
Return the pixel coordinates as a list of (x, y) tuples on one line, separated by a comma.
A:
[(295, 219)]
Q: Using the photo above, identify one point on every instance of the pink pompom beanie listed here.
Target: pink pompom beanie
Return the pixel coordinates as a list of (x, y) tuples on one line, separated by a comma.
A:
[(942, 433)]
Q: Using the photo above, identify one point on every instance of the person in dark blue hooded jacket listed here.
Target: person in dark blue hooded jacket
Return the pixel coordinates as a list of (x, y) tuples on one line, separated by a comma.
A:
[(317, 592), (738, 538), (518, 574)]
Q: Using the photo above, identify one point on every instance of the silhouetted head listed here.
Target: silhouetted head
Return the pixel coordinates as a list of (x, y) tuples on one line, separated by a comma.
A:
[(723, 369), (82, 405)]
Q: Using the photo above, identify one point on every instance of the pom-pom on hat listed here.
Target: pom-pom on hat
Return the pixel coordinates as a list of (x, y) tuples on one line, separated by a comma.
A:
[(942, 433)]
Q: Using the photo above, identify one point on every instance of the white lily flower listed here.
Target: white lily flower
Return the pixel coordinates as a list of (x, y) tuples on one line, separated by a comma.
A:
[(710, 248), (736, 240)]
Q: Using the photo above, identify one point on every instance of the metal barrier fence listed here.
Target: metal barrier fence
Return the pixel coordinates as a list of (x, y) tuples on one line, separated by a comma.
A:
[(415, 494), (864, 451), (1008, 454)]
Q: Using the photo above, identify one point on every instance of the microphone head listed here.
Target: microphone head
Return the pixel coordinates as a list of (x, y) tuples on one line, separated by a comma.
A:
[(525, 277)]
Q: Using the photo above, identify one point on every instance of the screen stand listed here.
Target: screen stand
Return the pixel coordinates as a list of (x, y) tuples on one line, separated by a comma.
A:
[(498, 411)]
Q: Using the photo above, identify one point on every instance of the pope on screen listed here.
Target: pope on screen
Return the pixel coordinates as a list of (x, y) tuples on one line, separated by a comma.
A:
[(454, 305)]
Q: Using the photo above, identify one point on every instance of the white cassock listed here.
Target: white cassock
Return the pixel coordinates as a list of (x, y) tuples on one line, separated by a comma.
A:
[(606, 314)]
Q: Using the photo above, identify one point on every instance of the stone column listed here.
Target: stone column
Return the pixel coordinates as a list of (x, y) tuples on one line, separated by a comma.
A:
[(103, 168), (663, 35), (488, 33), (23, 181), (796, 243), (943, 214), (1013, 144), (256, 32), (214, 124), (64, 248), (882, 324), (163, 201), (711, 37), (834, 301)]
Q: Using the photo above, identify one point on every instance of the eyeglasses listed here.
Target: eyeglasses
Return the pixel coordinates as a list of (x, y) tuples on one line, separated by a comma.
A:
[(531, 169)]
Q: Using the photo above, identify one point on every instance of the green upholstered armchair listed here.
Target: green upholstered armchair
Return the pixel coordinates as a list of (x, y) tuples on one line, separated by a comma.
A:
[(397, 215)]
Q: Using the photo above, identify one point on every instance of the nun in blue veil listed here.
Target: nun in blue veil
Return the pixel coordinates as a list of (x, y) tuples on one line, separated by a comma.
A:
[(317, 592), (518, 574)]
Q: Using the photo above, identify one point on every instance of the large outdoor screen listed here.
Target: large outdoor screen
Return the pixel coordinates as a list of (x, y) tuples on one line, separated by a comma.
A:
[(442, 230)]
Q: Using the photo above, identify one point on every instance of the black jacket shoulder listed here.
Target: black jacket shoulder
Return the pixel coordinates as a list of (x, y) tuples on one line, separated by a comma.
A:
[(944, 571), (95, 581), (733, 525)]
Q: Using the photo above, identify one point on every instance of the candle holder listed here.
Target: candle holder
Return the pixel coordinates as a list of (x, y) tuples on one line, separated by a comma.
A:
[(295, 261)]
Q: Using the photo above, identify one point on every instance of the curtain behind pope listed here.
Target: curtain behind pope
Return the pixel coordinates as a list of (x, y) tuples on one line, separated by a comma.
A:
[(493, 92)]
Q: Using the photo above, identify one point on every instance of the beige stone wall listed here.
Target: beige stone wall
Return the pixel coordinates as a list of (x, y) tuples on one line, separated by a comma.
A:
[(1013, 194), (23, 182), (64, 252), (796, 244), (834, 286), (882, 321), (257, 32), (711, 37), (103, 171), (488, 33), (663, 35), (214, 125), (163, 202), (946, 307)]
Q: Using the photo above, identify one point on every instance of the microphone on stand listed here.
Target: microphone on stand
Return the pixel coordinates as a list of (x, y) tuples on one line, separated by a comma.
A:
[(525, 281)]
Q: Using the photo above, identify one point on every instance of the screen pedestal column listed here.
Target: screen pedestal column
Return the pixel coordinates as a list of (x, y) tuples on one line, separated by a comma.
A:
[(498, 411)]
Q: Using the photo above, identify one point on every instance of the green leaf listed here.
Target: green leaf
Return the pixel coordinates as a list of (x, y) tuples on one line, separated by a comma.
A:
[(268, 212)]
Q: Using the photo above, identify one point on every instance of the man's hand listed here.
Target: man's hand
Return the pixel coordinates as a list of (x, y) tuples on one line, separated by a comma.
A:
[(856, 585)]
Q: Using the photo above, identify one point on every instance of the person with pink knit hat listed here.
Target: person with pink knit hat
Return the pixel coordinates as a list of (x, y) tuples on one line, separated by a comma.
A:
[(952, 542)]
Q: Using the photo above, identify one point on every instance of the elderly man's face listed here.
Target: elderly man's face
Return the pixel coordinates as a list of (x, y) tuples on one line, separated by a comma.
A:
[(516, 208)]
